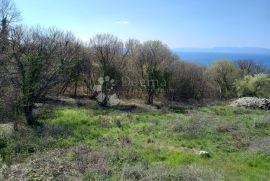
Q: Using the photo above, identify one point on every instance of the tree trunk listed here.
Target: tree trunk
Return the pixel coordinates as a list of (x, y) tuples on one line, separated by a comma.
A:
[(28, 112), (4, 34), (75, 89), (150, 98)]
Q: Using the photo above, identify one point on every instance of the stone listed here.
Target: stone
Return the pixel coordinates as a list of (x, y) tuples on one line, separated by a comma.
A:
[(204, 154), (252, 102)]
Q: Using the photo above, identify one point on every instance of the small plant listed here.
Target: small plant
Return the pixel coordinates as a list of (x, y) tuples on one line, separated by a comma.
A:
[(119, 124), (225, 126), (104, 123), (136, 172), (199, 173), (193, 127), (124, 140), (263, 123), (261, 144), (241, 138)]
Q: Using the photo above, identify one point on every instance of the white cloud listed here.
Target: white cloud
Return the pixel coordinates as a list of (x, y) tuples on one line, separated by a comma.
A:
[(122, 22)]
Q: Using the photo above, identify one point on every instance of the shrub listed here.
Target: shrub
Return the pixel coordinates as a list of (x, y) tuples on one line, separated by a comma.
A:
[(225, 126), (193, 127), (124, 140), (257, 85), (241, 138), (158, 172), (136, 172), (261, 144), (199, 173), (263, 123), (161, 172)]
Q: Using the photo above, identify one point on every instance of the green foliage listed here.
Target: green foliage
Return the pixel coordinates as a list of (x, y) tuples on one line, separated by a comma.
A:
[(257, 85), (225, 73), (31, 74), (155, 79)]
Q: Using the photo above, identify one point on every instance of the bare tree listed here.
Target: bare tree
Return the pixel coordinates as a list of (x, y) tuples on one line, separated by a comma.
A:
[(152, 57), (39, 60), (8, 15), (110, 55), (249, 67)]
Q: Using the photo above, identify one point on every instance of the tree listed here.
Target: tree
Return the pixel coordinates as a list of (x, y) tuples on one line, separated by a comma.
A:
[(152, 56), (257, 85), (225, 74), (8, 15), (75, 72), (189, 81), (109, 53), (249, 67), (39, 60)]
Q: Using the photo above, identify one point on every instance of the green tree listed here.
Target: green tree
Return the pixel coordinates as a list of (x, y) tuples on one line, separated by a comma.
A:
[(257, 85), (225, 73), (153, 56)]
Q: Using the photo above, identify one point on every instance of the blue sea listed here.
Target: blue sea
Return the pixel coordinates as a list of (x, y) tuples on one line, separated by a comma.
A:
[(206, 58)]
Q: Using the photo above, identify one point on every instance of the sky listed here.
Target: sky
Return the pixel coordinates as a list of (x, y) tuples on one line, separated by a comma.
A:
[(178, 23)]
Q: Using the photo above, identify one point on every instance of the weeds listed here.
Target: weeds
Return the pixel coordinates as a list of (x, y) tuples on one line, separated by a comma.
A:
[(195, 126)]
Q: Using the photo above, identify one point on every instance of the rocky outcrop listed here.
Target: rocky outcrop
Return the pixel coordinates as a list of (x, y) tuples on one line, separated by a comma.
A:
[(253, 102)]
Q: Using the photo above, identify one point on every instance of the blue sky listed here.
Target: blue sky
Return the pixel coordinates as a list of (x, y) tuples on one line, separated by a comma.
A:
[(179, 23)]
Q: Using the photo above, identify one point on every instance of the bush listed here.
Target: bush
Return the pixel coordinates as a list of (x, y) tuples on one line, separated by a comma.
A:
[(193, 127), (198, 173), (144, 172), (162, 173), (261, 144), (257, 85), (241, 138), (263, 123), (225, 126)]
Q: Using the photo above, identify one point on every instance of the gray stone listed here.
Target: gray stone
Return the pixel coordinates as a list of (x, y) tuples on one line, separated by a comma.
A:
[(252, 102), (204, 154)]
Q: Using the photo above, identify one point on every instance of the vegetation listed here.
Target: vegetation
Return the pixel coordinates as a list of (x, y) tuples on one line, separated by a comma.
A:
[(47, 135), (112, 144), (257, 85), (225, 74), (37, 63)]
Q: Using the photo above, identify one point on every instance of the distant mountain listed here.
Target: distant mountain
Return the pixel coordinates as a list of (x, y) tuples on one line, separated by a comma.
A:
[(240, 50)]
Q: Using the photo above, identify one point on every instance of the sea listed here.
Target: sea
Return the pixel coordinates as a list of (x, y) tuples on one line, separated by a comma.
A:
[(207, 58)]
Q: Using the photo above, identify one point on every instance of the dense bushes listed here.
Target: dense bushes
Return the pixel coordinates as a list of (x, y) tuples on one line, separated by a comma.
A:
[(257, 85)]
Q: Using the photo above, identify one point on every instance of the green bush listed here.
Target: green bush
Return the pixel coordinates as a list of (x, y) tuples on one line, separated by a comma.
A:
[(257, 85)]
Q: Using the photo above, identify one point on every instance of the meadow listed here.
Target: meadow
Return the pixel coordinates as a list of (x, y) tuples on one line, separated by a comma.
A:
[(91, 143)]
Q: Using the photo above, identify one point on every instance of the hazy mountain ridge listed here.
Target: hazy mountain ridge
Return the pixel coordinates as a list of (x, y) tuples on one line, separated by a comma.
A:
[(245, 50)]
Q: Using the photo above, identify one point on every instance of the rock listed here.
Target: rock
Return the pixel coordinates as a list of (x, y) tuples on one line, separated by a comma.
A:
[(252, 102), (204, 154)]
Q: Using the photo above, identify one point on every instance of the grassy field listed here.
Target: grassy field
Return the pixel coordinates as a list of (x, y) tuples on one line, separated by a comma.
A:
[(98, 144)]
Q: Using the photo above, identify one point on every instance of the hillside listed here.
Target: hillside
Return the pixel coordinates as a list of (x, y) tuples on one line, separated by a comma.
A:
[(86, 143)]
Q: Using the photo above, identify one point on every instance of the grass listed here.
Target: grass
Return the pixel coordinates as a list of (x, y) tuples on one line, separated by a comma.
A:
[(135, 143)]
